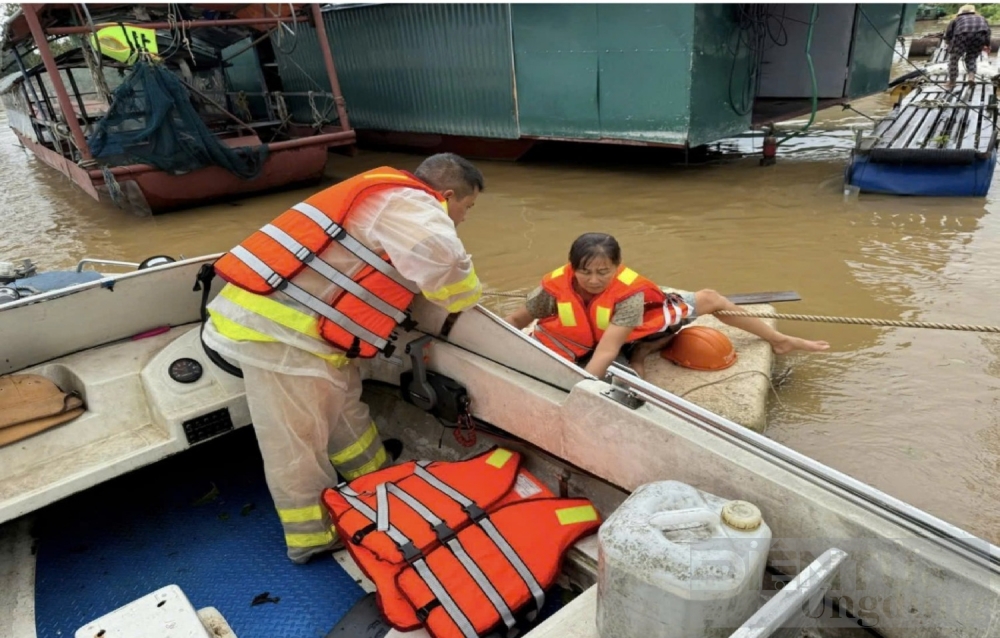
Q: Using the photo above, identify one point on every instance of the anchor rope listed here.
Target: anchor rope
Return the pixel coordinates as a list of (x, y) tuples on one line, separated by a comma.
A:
[(858, 321), (861, 321)]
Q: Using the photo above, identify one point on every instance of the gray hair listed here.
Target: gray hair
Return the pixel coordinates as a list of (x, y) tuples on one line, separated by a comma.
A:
[(447, 171)]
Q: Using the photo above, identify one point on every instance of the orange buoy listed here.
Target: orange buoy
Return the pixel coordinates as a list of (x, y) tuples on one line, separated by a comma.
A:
[(700, 348)]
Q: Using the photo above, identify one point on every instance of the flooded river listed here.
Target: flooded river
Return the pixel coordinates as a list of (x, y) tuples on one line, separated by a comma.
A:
[(912, 412)]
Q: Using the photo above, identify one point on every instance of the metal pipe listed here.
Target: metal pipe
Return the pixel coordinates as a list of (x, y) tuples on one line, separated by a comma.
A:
[(218, 106), (31, 16), (946, 534), (185, 24), (331, 70), (79, 97)]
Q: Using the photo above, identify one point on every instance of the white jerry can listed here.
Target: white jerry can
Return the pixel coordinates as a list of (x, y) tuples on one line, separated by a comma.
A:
[(674, 561)]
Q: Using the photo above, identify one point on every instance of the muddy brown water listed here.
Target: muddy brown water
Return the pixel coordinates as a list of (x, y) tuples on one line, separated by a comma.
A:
[(912, 412)]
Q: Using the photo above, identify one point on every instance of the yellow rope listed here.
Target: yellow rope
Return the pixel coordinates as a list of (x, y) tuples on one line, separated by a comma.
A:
[(860, 321)]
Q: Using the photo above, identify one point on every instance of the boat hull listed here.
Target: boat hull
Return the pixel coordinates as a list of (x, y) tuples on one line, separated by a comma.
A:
[(151, 191)]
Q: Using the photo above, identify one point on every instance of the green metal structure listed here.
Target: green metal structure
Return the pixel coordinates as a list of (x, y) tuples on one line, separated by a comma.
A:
[(664, 74)]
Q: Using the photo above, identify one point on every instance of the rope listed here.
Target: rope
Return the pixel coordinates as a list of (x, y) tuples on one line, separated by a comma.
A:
[(514, 295), (860, 321), (114, 189), (733, 376)]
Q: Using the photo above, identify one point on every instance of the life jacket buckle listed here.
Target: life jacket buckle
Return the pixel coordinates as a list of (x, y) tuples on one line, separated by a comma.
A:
[(444, 533), (388, 349), (408, 324), (475, 512), (361, 533), (355, 350), (410, 553)]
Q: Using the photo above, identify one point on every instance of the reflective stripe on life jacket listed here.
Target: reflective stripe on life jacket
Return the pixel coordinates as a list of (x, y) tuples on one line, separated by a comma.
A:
[(452, 497), (490, 573), (577, 327), (371, 303)]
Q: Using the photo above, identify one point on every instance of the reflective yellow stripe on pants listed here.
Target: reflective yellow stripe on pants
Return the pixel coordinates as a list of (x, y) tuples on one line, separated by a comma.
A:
[(299, 523), (365, 455)]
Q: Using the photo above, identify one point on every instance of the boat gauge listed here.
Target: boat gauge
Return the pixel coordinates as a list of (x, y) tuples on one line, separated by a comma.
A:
[(185, 370)]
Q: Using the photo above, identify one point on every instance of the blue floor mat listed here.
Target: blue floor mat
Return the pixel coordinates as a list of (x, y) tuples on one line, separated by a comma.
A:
[(202, 520)]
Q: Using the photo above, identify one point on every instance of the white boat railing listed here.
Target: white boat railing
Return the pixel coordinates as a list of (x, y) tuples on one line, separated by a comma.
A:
[(626, 386)]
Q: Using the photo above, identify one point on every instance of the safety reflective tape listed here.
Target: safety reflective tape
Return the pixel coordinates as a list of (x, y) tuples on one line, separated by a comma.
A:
[(357, 448), (330, 273), (238, 332), (558, 272), (499, 458), (483, 582), (414, 504), (469, 282), (581, 514), (464, 302), (361, 251), (603, 317), (309, 301), (273, 310), (627, 276), (566, 316), (468, 631), (232, 330), (515, 560), (441, 486), (352, 499), (382, 505), (370, 466), (317, 539), (301, 514)]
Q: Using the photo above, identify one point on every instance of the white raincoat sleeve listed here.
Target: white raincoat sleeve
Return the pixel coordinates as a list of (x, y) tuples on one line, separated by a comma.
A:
[(423, 245)]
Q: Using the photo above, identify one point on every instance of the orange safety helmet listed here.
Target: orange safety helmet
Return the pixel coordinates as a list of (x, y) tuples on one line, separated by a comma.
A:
[(700, 348)]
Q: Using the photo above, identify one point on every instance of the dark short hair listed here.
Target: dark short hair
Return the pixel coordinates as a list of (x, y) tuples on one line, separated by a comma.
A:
[(590, 246), (447, 171)]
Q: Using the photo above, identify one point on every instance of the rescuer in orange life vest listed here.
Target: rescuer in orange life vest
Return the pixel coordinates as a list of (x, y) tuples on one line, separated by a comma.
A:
[(324, 283), (594, 308)]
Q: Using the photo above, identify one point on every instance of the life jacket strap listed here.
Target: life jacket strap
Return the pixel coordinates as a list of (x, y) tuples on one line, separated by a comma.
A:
[(333, 275), (278, 282), (339, 234)]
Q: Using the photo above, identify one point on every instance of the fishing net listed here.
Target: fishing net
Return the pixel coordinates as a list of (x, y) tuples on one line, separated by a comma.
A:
[(152, 121)]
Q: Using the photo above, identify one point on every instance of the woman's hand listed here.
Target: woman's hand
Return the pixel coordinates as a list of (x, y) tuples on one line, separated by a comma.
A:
[(607, 349)]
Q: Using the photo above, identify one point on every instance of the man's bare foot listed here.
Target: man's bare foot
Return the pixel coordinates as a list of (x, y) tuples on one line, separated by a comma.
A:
[(787, 344)]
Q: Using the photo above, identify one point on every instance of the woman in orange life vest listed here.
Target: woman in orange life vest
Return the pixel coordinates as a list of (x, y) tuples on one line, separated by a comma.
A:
[(594, 308)]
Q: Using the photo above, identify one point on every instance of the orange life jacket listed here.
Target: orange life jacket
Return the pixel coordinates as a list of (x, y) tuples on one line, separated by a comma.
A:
[(361, 317), (575, 330), (418, 530)]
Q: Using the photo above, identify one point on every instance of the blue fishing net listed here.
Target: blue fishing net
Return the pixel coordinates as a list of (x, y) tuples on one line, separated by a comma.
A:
[(152, 121)]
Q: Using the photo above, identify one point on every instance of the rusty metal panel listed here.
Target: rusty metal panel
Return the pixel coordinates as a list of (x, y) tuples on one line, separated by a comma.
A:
[(427, 68), (876, 26)]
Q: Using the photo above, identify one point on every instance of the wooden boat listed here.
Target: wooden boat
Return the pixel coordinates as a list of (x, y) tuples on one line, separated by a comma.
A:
[(151, 486), (198, 113)]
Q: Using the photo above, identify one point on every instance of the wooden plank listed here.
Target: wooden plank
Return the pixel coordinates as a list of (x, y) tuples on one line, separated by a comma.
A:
[(903, 139), (944, 122), (973, 117), (901, 123), (922, 134), (750, 298)]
